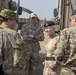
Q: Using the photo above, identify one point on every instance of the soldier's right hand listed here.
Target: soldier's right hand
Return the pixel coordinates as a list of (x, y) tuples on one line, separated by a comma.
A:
[(43, 63), (31, 36), (50, 63)]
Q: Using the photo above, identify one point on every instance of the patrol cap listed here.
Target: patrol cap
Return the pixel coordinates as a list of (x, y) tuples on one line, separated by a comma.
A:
[(33, 15), (49, 23), (73, 12), (8, 14)]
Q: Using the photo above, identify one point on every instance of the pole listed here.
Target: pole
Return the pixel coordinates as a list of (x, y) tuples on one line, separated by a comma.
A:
[(18, 7), (58, 6)]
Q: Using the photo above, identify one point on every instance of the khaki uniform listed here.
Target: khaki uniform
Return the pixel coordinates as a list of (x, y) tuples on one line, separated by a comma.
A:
[(51, 67), (18, 54), (66, 51), (32, 46)]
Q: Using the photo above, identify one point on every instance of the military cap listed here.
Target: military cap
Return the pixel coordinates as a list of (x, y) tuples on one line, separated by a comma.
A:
[(49, 23), (33, 15), (8, 14), (73, 12)]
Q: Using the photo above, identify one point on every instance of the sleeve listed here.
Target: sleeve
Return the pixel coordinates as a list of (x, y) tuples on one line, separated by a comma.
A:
[(18, 39), (15, 49), (61, 46), (24, 33), (40, 37), (6, 53)]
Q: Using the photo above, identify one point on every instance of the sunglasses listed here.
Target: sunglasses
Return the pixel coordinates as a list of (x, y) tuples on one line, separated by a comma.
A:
[(33, 18)]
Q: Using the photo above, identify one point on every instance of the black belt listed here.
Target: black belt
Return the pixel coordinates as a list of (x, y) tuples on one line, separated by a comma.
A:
[(50, 58)]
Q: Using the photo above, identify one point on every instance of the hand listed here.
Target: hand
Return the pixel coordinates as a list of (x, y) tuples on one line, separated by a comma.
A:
[(43, 63), (50, 64), (31, 36)]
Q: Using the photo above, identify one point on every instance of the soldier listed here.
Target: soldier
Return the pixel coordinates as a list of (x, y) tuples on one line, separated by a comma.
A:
[(66, 49), (51, 67), (8, 24), (32, 33)]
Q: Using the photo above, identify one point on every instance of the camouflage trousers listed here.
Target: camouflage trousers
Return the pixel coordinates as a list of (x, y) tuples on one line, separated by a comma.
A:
[(19, 65), (53, 70), (67, 71), (32, 64), (17, 69)]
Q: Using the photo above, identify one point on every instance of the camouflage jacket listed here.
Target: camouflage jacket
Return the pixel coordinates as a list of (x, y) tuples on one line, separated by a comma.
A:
[(66, 48), (20, 52), (15, 34), (51, 46), (7, 46), (33, 30)]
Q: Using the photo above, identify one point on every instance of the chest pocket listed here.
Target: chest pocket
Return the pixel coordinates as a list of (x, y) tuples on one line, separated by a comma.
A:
[(32, 30)]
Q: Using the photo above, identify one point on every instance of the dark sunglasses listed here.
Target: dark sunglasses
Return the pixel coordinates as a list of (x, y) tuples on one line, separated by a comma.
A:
[(33, 18)]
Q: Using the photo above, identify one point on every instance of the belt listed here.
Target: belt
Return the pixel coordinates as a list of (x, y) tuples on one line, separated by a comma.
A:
[(50, 58), (31, 41)]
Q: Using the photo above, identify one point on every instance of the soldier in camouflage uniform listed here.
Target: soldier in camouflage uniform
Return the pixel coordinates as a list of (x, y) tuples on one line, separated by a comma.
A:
[(51, 67), (66, 49), (32, 33), (8, 24)]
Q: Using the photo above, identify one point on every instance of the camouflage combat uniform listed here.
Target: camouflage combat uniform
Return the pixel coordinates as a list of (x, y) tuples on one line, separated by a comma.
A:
[(7, 48), (18, 42), (66, 51), (18, 54), (32, 45), (50, 60)]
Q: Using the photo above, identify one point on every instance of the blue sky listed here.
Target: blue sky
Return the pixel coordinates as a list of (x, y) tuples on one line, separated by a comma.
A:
[(43, 8)]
